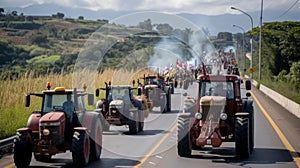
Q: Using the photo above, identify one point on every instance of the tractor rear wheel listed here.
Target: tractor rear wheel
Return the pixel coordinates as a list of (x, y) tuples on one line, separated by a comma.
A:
[(184, 145), (22, 149), (96, 140), (242, 145), (133, 123), (80, 148)]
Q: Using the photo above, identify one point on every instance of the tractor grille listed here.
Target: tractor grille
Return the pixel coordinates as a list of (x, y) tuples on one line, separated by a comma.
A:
[(114, 112), (54, 132), (211, 112)]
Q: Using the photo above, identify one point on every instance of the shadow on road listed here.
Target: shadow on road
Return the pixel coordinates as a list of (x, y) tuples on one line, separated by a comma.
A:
[(259, 156), (103, 162)]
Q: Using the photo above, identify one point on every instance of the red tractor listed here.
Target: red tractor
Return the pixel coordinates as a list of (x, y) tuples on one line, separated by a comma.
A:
[(62, 124), (218, 114), (157, 92), (119, 107)]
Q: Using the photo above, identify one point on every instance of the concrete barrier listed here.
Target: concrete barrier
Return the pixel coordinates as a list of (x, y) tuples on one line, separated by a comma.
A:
[(288, 104)]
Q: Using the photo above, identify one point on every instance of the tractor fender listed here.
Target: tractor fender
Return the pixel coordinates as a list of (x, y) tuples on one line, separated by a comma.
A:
[(33, 122), (21, 130), (87, 120)]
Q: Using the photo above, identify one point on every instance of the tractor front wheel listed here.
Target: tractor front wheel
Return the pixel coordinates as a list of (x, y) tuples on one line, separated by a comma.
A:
[(141, 121), (133, 123), (80, 148), (242, 138), (22, 149), (96, 140), (184, 145)]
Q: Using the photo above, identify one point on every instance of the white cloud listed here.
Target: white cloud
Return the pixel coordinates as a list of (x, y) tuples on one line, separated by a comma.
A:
[(209, 7)]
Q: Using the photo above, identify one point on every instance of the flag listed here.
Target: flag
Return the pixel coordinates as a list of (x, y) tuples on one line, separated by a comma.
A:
[(179, 65)]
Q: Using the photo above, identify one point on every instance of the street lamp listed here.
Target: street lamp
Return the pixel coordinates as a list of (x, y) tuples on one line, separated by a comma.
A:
[(260, 40), (251, 40), (243, 43)]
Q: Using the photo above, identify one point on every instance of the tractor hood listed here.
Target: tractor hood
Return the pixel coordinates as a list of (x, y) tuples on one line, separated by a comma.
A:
[(117, 103), (53, 117), (213, 101)]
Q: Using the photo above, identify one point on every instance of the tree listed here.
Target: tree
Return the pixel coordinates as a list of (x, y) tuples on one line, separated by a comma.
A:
[(29, 18), (225, 35), (58, 15), (146, 25), (80, 18), (1, 11), (14, 13), (38, 38), (164, 29)]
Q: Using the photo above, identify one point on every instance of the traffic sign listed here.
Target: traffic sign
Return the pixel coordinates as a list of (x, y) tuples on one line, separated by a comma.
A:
[(234, 62)]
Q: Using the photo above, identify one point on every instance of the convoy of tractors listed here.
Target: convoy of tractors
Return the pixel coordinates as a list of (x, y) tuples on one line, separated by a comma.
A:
[(219, 113)]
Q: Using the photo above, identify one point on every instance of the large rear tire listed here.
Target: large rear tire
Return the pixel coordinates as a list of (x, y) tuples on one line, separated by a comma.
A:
[(242, 139), (80, 148), (96, 140), (184, 145), (22, 149)]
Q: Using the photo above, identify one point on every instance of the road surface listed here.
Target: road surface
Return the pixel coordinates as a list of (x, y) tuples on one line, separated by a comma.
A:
[(277, 142)]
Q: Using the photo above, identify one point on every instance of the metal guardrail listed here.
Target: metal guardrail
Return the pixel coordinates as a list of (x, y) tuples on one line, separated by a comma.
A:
[(6, 143)]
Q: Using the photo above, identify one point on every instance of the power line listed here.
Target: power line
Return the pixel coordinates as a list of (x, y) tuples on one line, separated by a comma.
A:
[(288, 9)]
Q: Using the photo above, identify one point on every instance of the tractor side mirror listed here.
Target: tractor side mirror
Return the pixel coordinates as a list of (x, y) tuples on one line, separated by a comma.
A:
[(248, 94), (27, 100), (90, 99), (97, 92), (248, 85)]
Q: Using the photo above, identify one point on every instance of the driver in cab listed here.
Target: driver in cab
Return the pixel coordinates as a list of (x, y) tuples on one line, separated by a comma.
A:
[(68, 107)]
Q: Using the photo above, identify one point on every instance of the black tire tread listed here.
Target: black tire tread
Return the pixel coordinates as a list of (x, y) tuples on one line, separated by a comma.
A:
[(183, 138), (77, 149)]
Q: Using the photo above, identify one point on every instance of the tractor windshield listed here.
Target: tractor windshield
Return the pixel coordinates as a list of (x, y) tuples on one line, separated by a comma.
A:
[(58, 102), (217, 88), (120, 94), (153, 81)]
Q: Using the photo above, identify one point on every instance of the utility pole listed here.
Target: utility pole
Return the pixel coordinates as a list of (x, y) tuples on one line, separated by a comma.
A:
[(260, 41)]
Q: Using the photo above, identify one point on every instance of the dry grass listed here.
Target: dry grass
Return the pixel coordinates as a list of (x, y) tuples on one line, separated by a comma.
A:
[(14, 114)]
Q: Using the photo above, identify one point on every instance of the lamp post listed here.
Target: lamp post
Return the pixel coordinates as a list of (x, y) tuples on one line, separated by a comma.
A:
[(251, 40), (260, 40), (243, 44)]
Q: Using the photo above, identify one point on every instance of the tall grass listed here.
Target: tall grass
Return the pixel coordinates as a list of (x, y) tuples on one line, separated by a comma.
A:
[(13, 113)]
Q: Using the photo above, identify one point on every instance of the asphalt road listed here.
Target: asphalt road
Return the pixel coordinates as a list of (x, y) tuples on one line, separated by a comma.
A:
[(156, 146)]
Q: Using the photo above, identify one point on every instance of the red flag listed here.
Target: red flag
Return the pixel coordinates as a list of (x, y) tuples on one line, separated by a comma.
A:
[(179, 65)]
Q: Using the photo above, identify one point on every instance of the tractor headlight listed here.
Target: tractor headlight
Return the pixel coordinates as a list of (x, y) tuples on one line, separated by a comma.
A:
[(223, 116), (198, 116), (46, 132)]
